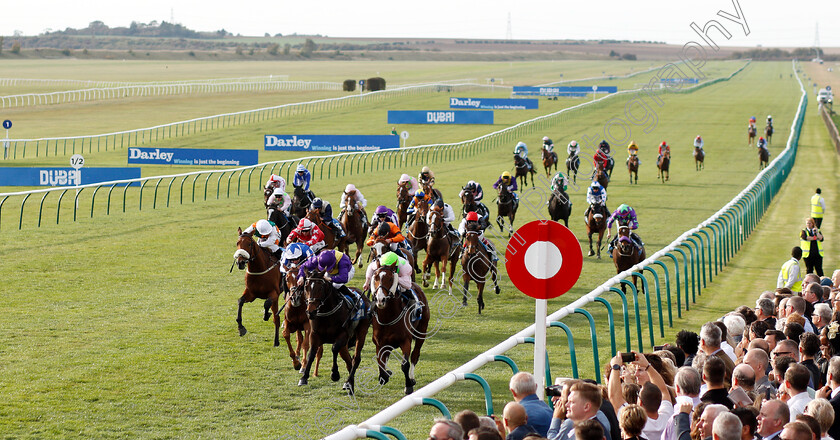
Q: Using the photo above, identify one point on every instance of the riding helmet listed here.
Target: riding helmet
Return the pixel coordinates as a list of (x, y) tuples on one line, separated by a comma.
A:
[(404, 178), (472, 216), (381, 210), (419, 194), (384, 229), (317, 203), (623, 209), (439, 203), (470, 186), (264, 227), (506, 175), (349, 188), (545, 138), (301, 168), (326, 260), (632, 144), (305, 224), (294, 251), (521, 144), (604, 144), (663, 144), (573, 144), (426, 170), (389, 259)]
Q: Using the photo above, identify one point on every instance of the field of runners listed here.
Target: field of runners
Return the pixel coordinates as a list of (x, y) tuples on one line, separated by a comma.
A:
[(122, 325)]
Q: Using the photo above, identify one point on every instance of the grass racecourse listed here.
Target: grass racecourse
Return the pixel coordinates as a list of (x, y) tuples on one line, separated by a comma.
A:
[(122, 326)]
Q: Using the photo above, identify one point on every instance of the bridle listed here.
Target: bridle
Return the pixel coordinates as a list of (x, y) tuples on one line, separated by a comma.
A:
[(311, 300), (391, 292)]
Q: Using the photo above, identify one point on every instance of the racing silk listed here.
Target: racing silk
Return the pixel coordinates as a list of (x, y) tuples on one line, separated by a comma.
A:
[(698, 144), (315, 236), (762, 144), (340, 272), (271, 241), (403, 273), (413, 185), (549, 145), (521, 150), (430, 178), (511, 186), (789, 276), (307, 253), (302, 180), (478, 194), (448, 215), (665, 150), (601, 159), (275, 181), (573, 151), (326, 212), (817, 206), (629, 220), (605, 149), (412, 206), (560, 182), (391, 216), (360, 199), (593, 197), (280, 197), (394, 234), (632, 150)]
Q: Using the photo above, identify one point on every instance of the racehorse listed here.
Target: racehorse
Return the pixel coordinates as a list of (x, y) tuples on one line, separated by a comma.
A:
[(351, 221), (521, 166), (751, 131), (439, 251), (560, 207), (403, 200), (625, 255), (763, 157), (506, 206), (418, 233), (330, 242), (476, 264), (380, 247), (331, 321), (432, 192), (633, 167), (396, 325), (699, 156), (262, 280), (296, 321), (768, 133), (596, 222), (470, 205), (663, 164), (300, 202), (283, 222), (600, 176), (549, 158), (572, 166)]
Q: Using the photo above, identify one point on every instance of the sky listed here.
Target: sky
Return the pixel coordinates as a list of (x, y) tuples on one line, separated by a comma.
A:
[(780, 23)]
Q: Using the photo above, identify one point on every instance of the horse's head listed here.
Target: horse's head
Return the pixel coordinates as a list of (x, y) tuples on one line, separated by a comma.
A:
[(296, 292), (467, 198), (624, 231), (403, 195), (266, 194), (517, 158), (380, 247), (317, 291), (470, 243), (435, 218), (245, 249), (385, 283)]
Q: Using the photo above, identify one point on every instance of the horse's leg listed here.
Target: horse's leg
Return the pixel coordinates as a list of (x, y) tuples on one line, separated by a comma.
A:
[(339, 347), (438, 272), (425, 273), (495, 274), (277, 321), (382, 355), (407, 366), (242, 300), (287, 335), (315, 344), (318, 358), (600, 237), (591, 251), (466, 282), (480, 300)]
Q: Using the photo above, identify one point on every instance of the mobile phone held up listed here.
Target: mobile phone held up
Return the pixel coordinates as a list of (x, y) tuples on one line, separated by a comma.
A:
[(628, 357)]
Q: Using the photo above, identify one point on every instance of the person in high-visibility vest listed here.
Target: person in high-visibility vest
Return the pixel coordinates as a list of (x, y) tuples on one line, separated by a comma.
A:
[(817, 207), (790, 276), (812, 247)]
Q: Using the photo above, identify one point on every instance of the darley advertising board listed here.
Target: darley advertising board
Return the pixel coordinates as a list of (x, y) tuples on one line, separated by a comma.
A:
[(192, 156), (440, 117), (494, 103), (20, 176), (561, 90), (332, 143)]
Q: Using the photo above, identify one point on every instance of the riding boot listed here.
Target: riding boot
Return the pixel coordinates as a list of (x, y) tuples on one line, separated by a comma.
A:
[(278, 253), (586, 214)]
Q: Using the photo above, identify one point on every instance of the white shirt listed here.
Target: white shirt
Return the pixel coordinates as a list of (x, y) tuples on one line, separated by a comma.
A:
[(797, 404), (670, 427), (654, 428), (729, 351)]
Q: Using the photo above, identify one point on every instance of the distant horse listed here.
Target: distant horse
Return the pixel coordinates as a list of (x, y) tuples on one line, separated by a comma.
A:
[(572, 166), (418, 233), (431, 191), (521, 166), (470, 205), (600, 176), (768, 133), (394, 325), (403, 200), (699, 156), (625, 255), (331, 322), (296, 321), (440, 250), (763, 158), (300, 202), (560, 207), (476, 265), (633, 168), (549, 158), (751, 132), (663, 164), (596, 223), (351, 220), (506, 206), (262, 280), (330, 242)]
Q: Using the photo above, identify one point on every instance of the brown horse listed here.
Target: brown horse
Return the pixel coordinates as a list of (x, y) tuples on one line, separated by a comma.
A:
[(262, 280), (699, 157), (470, 205), (768, 132), (763, 158), (751, 132), (625, 255), (351, 221), (439, 250), (395, 325), (506, 206), (380, 247), (549, 158), (296, 321), (330, 317), (476, 264), (418, 233), (633, 168), (521, 167), (596, 222), (559, 206), (600, 176), (431, 191), (403, 200), (664, 164), (330, 242)]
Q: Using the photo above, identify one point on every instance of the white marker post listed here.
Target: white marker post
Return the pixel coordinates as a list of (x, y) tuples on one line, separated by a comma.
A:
[(594, 89), (77, 161), (404, 136), (7, 124)]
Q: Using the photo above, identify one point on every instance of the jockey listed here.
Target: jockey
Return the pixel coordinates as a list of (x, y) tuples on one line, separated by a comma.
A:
[(560, 182), (268, 236), (506, 180), (411, 182), (633, 150), (595, 195), (309, 234), (573, 149), (475, 188), (625, 216), (770, 121), (361, 203), (419, 198), (548, 144), (403, 272), (473, 223), (762, 143), (295, 255), (392, 235), (698, 142), (426, 176), (302, 180), (664, 150), (604, 147), (279, 200), (448, 216), (275, 181), (522, 150), (752, 123), (324, 210), (383, 214), (338, 269)]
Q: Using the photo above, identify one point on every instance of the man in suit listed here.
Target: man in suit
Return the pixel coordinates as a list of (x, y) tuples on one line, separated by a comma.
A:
[(710, 340), (772, 418), (832, 393)]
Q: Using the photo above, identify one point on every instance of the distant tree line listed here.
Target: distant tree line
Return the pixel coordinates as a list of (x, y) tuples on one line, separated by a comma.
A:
[(153, 29), (801, 53)]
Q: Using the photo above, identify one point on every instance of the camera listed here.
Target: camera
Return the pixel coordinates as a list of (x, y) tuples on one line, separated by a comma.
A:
[(554, 391), (658, 347), (628, 357)]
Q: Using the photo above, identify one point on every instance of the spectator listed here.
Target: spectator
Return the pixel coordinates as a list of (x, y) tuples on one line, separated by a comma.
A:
[(713, 375), (812, 423), (821, 317), (811, 243), (780, 366), (710, 343), (726, 426), (687, 383), (782, 312), (759, 361), (787, 347), (764, 311), (726, 342), (749, 422), (487, 421), (772, 417), (744, 376), (516, 421), (630, 392), (773, 337), (583, 403), (793, 330), (799, 305), (790, 276), (445, 429), (707, 420), (747, 313), (689, 342), (608, 411), (735, 325), (588, 430), (832, 392), (823, 412), (632, 421), (796, 385), (468, 420), (523, 386), (679, 355), (809, 348), (760, 344), (797, 431), (485, 433), (658, 409), (813, 295)]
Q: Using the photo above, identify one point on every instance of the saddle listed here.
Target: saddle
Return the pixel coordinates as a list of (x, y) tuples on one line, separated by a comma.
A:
[(412, 301), (358, 309)]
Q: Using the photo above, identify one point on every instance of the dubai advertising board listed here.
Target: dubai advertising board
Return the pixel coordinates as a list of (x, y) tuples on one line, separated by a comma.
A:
[(25, 176), (331, 143), (440, 117)]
